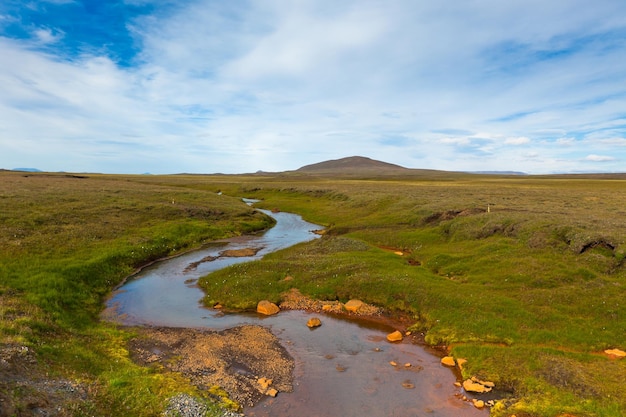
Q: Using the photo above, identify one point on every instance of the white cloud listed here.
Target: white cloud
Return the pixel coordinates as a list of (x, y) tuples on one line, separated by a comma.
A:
[(459, 141), (521, 140), (599, 158), (566, 141), (47, 35), (308, 42), (613, 141)]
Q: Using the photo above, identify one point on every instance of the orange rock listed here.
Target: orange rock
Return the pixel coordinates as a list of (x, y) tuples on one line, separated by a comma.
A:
[(478, 403), (488, 384), (264, 383), (615, 352), (395, 336), (353, 305), (314, 322), (267, 307), (448, 361), (471, 386)]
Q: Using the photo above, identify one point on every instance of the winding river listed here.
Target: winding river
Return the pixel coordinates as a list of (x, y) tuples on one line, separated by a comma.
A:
[(342, 368)]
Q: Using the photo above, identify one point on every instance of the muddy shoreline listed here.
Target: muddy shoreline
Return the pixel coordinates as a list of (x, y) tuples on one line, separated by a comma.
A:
[(236, 359)]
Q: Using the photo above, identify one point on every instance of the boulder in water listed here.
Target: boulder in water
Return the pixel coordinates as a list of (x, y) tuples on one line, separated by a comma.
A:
[(314, 322), (395, 336), (448, 361), (267, 307)]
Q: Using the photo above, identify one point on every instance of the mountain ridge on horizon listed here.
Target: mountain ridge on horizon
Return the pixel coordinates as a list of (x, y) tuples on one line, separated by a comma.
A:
[(350, 163), (353, 165)]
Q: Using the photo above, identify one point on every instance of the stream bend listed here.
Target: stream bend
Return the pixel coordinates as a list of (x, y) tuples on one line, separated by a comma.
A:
[(341, 368)]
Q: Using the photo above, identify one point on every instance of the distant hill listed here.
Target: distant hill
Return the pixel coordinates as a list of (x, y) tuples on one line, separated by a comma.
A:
[(360, 167), (351, 163), (26, 169)]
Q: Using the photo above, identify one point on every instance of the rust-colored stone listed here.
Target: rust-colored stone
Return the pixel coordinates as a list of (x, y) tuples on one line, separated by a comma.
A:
[(395, 336), (353, 305), (448, 361), (314, 322), (267, 307)]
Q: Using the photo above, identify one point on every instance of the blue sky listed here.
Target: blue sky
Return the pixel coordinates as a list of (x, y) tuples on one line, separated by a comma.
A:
[(205, 86)]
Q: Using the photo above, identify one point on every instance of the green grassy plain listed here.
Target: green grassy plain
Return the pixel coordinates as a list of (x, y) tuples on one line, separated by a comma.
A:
[(522, 276)]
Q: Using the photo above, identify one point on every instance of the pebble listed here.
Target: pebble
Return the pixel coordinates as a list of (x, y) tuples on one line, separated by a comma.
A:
[(408, 384), (478, 403), (184, 405)]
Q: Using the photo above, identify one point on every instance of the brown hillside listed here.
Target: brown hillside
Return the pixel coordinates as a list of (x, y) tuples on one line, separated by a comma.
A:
[(364, 168), (352, 163)]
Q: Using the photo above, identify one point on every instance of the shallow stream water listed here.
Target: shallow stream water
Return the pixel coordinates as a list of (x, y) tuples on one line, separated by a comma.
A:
[(342, 368)]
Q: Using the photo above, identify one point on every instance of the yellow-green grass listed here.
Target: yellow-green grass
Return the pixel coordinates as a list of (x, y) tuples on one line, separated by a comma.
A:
[(65, 242), (522, 276)]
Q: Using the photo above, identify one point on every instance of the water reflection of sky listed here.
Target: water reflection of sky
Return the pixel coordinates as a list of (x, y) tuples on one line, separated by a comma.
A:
[(342, 367)]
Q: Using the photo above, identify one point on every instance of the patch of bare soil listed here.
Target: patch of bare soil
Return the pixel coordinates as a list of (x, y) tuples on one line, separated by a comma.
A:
[(234, 359), (27, 390), (451, 214)]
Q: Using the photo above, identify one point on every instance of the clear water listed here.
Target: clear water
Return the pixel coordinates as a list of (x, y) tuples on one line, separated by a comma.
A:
[(342, 368)]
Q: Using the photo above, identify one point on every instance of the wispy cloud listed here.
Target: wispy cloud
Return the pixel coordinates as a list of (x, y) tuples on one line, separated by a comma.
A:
[(204, 86), (47, 36), (599, 158), (521, 140)]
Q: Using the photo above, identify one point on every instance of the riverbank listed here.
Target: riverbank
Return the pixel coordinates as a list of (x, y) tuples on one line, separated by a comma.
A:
[(237, 360)]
